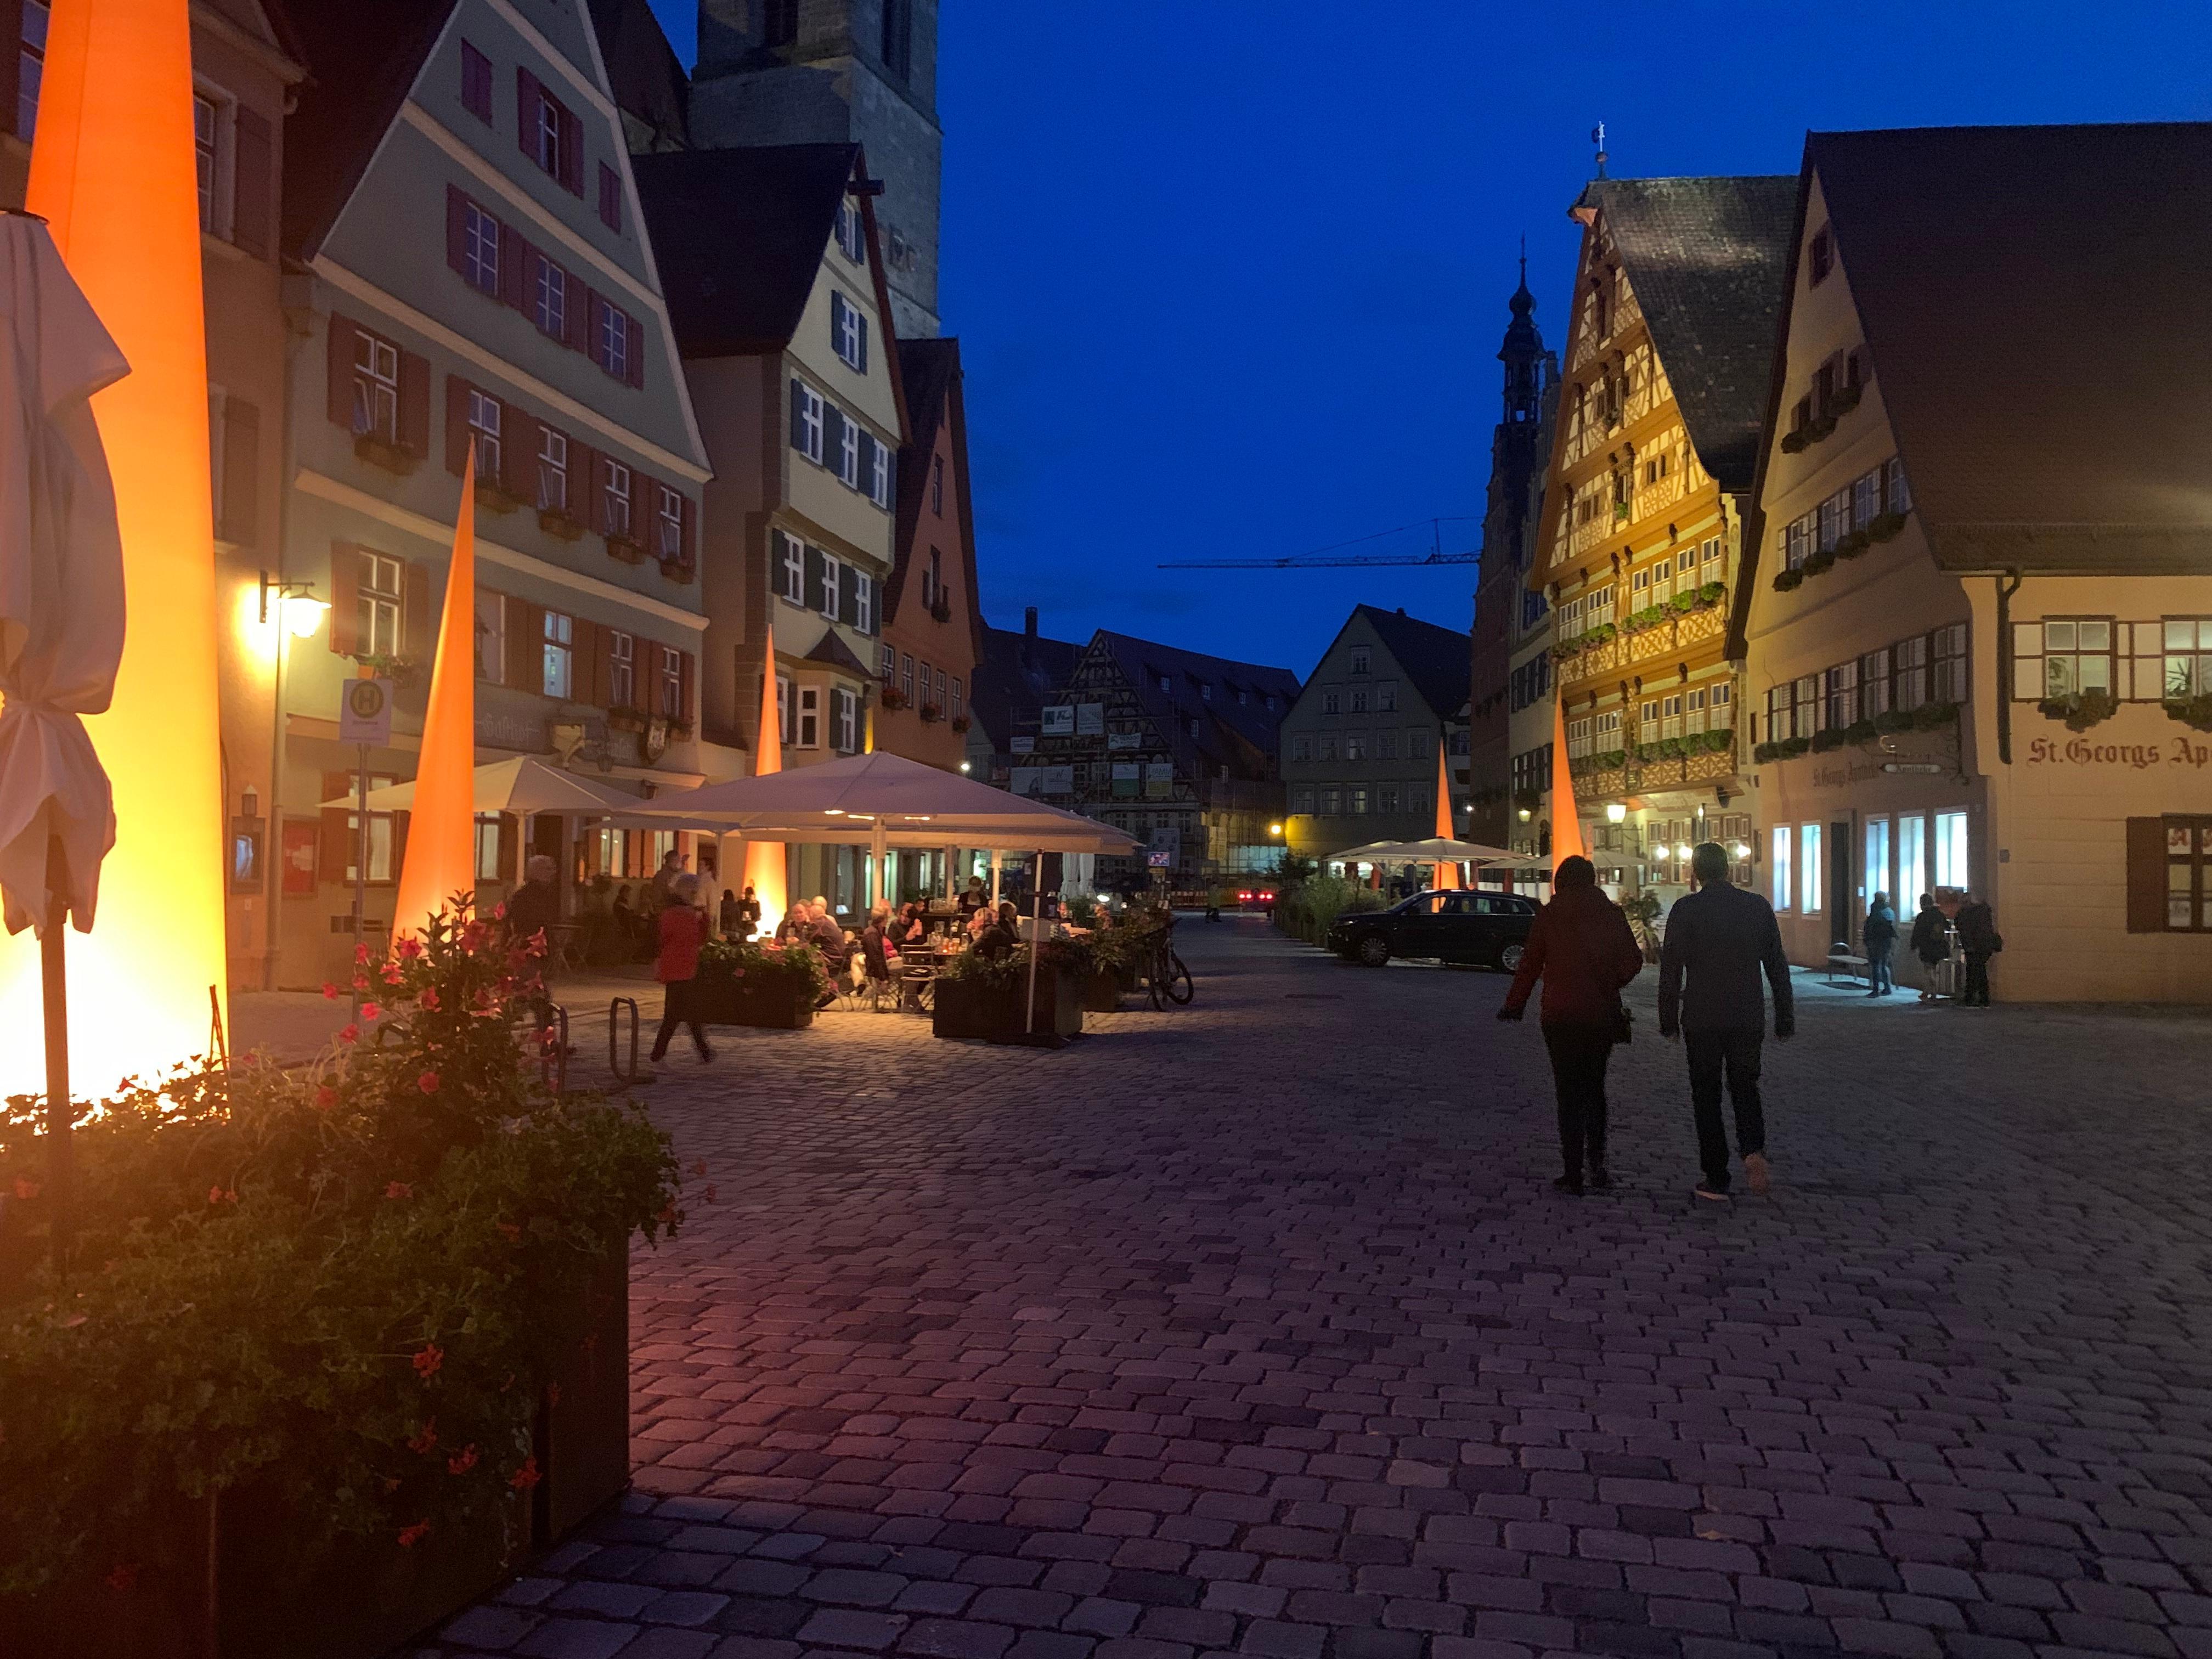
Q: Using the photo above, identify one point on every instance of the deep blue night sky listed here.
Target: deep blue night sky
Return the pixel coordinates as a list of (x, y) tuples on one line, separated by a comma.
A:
[(1229, 275)]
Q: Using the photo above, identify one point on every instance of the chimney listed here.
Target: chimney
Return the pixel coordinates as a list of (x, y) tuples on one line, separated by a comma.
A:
[(1029, 622)]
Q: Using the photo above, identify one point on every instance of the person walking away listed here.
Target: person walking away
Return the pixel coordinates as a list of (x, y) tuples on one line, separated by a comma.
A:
[(682, 929), (1580, 947), (1978, 941), (1879, 936), (1929, 943), (1719, 937)]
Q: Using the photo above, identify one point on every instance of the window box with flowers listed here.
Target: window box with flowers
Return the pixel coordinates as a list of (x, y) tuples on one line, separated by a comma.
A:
[(679, 570), (625, 549), (2080, 710), (1789, 579), (2196, 712), (403, 671), (1637, 622), (931, 712), (960, 723), (1885, 527), (382, 453), (941, 608), (626, 719), (894, 698), (1820, 563), (493, 499), (1852, 545), (405, 1364), (559, 523), (1793, 443)]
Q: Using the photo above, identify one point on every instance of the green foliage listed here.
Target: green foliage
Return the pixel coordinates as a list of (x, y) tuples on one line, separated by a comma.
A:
[(2193, 712), (339, 1287), (1851, 545), (2080, 711), (1885, 527), (765, 967), (1082, 911), (1307, 911), (1789, 579)]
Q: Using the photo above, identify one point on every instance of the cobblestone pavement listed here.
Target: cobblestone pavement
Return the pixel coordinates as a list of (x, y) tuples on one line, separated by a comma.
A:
[(1256, 1328)]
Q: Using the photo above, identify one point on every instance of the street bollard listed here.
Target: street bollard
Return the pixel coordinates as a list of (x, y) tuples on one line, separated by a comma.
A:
[(555, 1060), (628, 1074)]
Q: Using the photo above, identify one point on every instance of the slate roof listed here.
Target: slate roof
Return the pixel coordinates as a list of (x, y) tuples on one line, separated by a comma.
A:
[(1437, 660), (1144, 662), (643, 71), (1705, 258), (2038, 305), (362, 58), (739, 235), (1014, 675)]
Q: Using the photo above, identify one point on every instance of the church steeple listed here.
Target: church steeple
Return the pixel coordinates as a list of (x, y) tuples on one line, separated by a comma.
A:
[(1524, 353)]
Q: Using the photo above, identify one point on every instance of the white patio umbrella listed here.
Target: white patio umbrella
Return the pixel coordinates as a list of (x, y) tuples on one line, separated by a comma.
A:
[(1434, 850), (61, 623), (521, 786), (884, 801)]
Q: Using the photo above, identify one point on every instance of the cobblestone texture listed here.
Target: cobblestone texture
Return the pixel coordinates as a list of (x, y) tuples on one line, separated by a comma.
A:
[(1255, 1328)]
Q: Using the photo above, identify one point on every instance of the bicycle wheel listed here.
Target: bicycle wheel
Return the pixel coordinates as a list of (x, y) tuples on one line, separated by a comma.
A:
[(1155, 979), (1180, 988)]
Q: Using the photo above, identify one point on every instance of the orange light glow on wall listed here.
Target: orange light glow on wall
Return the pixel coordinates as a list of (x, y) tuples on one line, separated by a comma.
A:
[(115, 173), (765, 860), (441, 855), (1447, 875), (1566, 823)]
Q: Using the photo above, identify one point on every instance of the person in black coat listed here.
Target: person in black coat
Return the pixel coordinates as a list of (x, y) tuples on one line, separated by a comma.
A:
[(1879, 934), (1930, 942), (1719, 939), (1978, 941)]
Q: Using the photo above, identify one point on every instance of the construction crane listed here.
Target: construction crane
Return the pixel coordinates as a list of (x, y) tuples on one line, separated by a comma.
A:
[(1329, 558)]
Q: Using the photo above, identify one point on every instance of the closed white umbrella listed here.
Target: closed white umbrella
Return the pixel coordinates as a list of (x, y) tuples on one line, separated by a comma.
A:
[(521, 786), (61, 621)]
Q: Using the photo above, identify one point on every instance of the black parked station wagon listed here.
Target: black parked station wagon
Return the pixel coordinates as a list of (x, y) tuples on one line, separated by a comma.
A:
[(1457, 927)]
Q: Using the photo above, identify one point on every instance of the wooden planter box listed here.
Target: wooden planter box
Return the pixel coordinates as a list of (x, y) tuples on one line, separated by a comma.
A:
[(975, 1008), (734, 1002), (1101, 992), (355, 1600)]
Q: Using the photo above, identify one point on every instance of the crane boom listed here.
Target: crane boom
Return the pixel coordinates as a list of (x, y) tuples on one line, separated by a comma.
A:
[(1367, 560)]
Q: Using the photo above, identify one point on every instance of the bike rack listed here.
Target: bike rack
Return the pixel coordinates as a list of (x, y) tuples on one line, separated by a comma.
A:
[(629, 1074), (555, 1063)]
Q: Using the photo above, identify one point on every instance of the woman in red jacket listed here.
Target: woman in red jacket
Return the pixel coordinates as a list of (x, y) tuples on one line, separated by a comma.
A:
[(1581, 948), (683, 927)]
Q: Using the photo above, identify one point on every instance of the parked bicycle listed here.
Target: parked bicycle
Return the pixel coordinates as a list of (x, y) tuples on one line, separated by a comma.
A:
[(1166, 980)]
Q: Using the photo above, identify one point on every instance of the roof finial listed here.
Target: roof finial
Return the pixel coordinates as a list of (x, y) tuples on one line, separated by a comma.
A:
[(1597, 138), (1524, 259)]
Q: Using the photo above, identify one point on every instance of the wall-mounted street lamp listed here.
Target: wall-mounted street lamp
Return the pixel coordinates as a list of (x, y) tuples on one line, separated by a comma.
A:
[(1274, 828), (1615, 811)]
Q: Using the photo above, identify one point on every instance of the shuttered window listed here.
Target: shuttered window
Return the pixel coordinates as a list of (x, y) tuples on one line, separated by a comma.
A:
[(2170, 875), (807, 418), (848, 332), (476, 83)]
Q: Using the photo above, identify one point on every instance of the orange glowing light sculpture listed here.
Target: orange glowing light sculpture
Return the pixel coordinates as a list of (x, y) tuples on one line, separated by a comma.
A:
[(1447, 874), (115, 173), (765, 860), (1566, 824), (441, 858)]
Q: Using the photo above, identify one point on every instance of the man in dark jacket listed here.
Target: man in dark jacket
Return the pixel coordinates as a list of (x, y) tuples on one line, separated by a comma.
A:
[(1930, 942), (1978, 941), (1880, 935), (1581, 948), (1718, 939)]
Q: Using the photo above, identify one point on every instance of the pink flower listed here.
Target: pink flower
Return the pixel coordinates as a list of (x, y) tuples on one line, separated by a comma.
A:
[(360, 982), (409, 946), (737, 973), (349, 1034), (372, 1011), (428, 1083), (427, 1359), (392, 974), (361, 953), (429, 998), (423, 1443), (463, 1462), (411, 1536), (399, 1189), (509, 1231), (527, 1476), (326, 1097), (330, 991), (25, 1190), (222, 1195)]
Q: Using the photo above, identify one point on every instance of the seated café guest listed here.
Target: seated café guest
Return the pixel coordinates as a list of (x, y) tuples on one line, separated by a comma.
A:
[(825, 935), (874, 940), (998, 937), (749, 913), (916, 924), (792, 929), (973, 898), (982, 919)]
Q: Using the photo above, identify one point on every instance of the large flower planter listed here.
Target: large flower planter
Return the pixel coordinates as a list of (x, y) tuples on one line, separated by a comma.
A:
[(992, 1009), (1101, 992), (358, 1600), (736, 1002)]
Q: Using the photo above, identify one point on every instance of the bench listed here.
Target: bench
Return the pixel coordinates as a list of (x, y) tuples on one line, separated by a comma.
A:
[(1841, 962)]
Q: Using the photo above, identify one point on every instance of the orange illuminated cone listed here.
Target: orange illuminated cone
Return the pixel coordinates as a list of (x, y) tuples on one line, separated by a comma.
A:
[(115, 173), (441, 831), (1566, 825), (1447, 875), (765, 859)]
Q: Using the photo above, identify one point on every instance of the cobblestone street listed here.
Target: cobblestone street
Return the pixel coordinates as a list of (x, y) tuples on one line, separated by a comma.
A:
[(1257, 1328)]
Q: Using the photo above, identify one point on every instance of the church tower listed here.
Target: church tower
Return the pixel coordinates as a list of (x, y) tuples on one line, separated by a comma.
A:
[(1511, 629), (830, 71)]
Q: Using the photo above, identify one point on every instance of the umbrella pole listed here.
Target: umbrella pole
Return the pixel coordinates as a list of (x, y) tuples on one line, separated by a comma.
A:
[(360, 867), (1037, 939), (60, 1163)]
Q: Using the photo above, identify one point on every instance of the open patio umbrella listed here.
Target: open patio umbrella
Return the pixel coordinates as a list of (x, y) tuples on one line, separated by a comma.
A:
[(61, 625)]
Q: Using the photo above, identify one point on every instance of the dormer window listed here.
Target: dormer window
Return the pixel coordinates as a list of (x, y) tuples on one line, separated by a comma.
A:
[(1821, 257), (1359, 661)]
